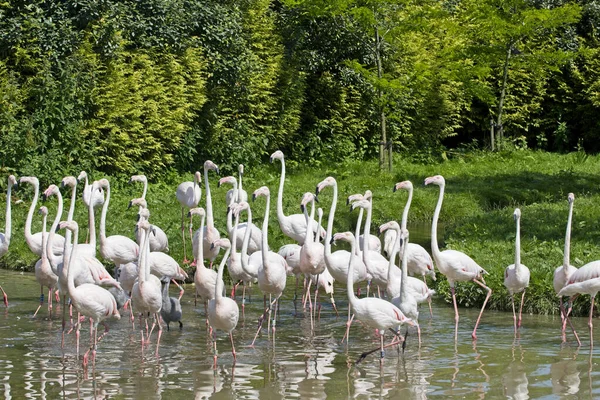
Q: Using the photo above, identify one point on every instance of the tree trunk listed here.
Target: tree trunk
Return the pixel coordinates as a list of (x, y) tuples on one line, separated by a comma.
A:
[(382, 122), (500, 132)]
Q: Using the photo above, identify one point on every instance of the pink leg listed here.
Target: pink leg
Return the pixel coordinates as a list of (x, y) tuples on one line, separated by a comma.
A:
[(590, 323), (348, 323), (157, 317), (215, 351), (521, 308), (41, 302), (261, 320), (181, 291), (50, 301), (337, 314), (512, 301), (456, 317), (489, 293), (232, 346)]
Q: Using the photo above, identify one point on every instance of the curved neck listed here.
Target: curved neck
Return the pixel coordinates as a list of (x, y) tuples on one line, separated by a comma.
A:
[(234, 253), (144, 197), (70, 267), (308, 237), (143, 257), (239, 186), (8, 228), (406, 208), (200, 247), (56, 260), (68, 233), (265, 228), (330, 221), (92, 225), (393, 259), (403, 292), (244, 250), (350, 278), (367, 228), (103, 216), (219, 284), (567, 255), (518, 244), (209, 214), (45, 237), (59, 212), (36, 193), (435, 250), (280, 214), (361, 211)]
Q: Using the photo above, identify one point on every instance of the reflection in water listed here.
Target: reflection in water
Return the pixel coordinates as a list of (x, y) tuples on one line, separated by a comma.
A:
[(32, 364)]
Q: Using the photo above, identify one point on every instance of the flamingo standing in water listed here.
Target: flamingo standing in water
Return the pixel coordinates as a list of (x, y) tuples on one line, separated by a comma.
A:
[(188, 195), (211, 234), (516, 276), (43, 271), (223, 312), (5, 237), (456, 265), (89, 299), (374, 312)]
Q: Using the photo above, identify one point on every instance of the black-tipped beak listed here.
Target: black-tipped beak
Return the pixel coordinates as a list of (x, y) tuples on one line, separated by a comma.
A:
[(302, 207), (217, 171), (153, 230), (57, 228), (271, 159), (332, 241), (16, 186), (137, 219), (219, 184), (44, 197), (137, 229), (130, 204), (394, 190), (317, 191), (253, 197), (62, 184), (212, 246), (316, 199), (131, 180), (189, 214), (401, 242)]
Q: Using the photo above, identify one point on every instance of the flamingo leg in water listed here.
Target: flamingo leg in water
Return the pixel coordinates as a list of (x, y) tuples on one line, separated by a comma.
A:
[(512, 300), (232, 346), (487, 297), (590, 323), (456, 317), (521, 309), (261, 320), (181, 291), (41, 302)]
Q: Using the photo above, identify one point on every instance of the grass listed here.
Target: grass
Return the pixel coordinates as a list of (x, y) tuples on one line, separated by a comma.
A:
[(482, 190)]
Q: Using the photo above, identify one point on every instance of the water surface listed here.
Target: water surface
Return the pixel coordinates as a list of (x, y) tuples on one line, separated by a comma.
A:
[(533, 365)]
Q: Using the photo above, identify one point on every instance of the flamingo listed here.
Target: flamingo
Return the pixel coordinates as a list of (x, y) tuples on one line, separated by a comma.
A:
[(89, 299), (564, 272), (34, 241), (234, 263), (516, 276), (272, 271), (158, 242), (255, 234), (211, 234), (171, 307), (5, 237), (84, 248), (456, 265), (223, 312), (419, 260), (205, 279), (374, 312), (146, 295), (374, 242), (43, 272), (97, 197), (188, 195), (117, 248), (242, 195), (294, 225)]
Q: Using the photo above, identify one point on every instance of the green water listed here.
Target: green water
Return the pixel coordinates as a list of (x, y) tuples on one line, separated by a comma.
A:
[(533, 365)]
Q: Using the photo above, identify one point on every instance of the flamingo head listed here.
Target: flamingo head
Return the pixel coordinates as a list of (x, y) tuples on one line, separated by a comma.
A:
[(241, 169), (209, 165), (343, 236), (406, 185), (329, 181), (436, 180), (403, 237), (197, 176), (278, 155), (517, 214), (140, 202), (43, 210), (29, 179), (354, 197), (368, 195), (69, 181), (103, 183), (307, 198), (197, 211), (364, 203), (389, 225), (319, 212), (52, 190), (571, 198), (82, 176), (228, 179), (12, 181), (223, 242), (70, 225), (262, 191), (237, 208), (144, 214), (138, 178)]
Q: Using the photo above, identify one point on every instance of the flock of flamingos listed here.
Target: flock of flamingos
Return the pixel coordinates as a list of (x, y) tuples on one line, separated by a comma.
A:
[(144, 271)]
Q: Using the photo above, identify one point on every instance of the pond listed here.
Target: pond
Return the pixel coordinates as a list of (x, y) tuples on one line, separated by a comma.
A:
[(301, 364)]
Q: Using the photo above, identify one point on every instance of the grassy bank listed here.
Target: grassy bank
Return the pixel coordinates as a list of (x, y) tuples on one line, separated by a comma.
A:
[(482, 191)]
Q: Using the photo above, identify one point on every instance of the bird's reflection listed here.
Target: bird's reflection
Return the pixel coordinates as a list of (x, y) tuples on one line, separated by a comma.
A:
[(514, 379), (565, 375)]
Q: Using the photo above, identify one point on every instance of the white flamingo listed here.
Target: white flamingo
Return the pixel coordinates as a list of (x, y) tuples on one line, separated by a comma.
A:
[(117, 248), (374, 242), (419, 260), (374, 312), (158, 242), (516, 276), (294, 225), (456, 265), (89, 299), (211, 234), (84, 248), (564, 272), (188, 195), (272, 272), (255, 234), (146, 295), (43, 272), (34, 241), (96, 197), (223, 312), (5, 237), (234, 263)]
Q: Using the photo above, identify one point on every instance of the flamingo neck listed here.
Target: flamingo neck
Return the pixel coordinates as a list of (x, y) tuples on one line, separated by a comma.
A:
[(200, 248), (209, 214), (220, 283), (308, 237), (244, 250), (280, 214), (406, 208), (265, 229), (357, 231), (518, 245), (45, 237), (240, 186), (69, 264), (144, 193), (330, 221), (404, 267), (8, 228), (395, 248), (350, 278), (366, 235), (435, 250), (567, 255), (36, 193), (234, 253), (92, 225), (103, 216)]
